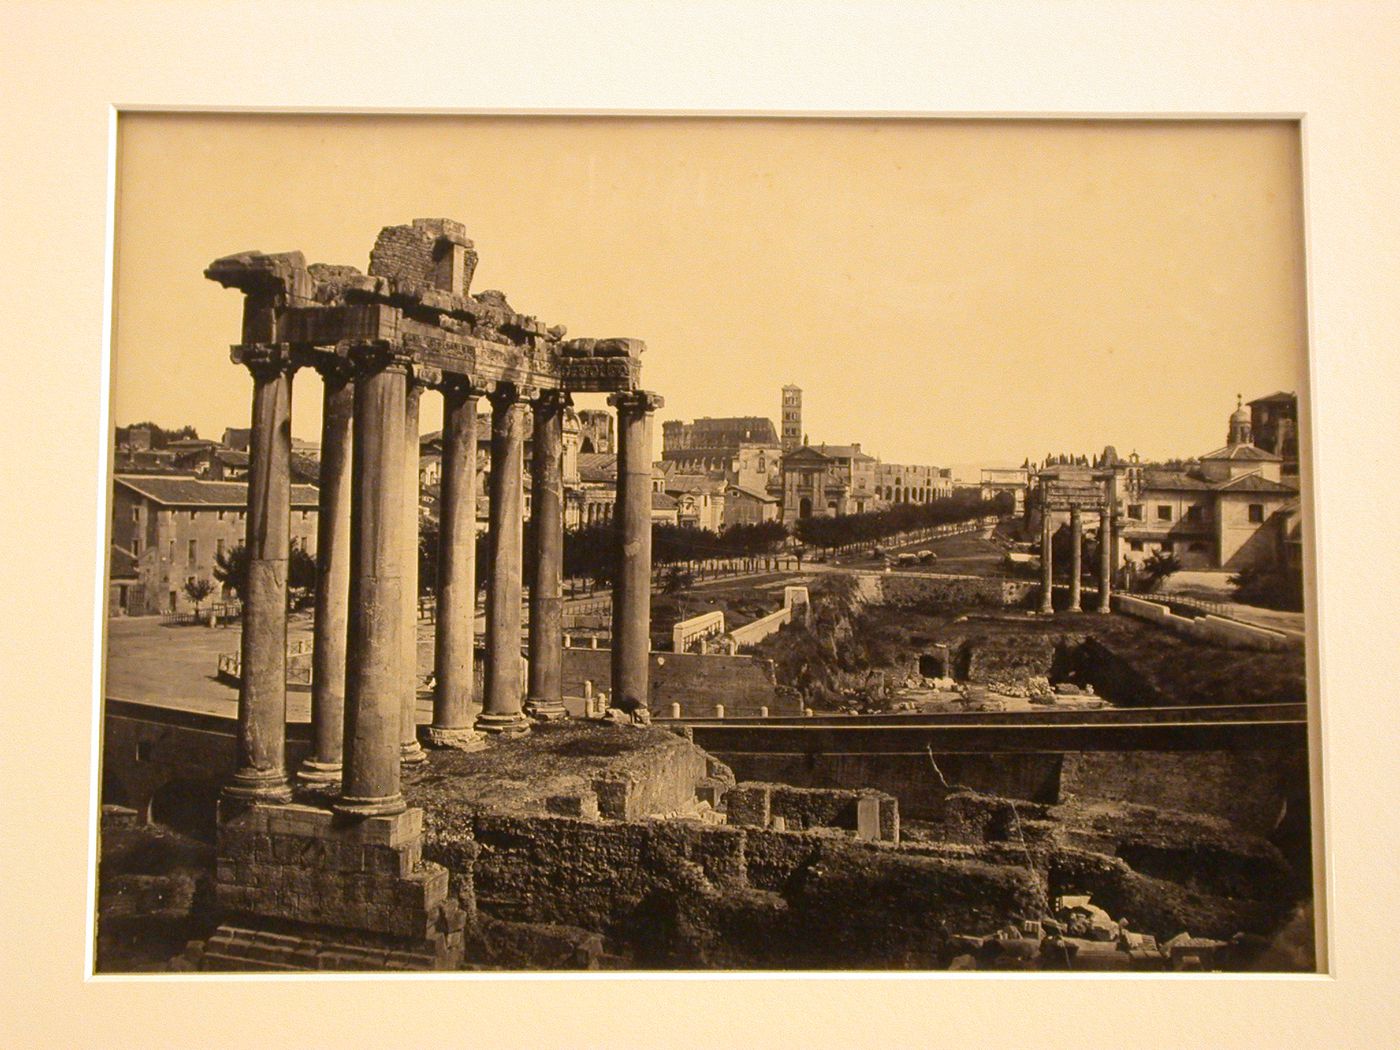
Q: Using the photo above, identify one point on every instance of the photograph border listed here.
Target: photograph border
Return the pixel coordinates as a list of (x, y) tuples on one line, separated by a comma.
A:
[(1325, 398)]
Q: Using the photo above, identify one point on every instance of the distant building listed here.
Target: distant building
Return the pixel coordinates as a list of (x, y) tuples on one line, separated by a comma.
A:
[(741, 450), (596, 431), (792, 418), (1016, 481), (167, 530), (827, 480), (748, 506), (1232, 509), (700, 500), (1274, 428), (906, 483)]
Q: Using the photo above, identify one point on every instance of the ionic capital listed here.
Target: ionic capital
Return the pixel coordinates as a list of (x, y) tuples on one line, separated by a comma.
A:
[(466, 386), (366, 358), (264, 359), (552, 399), (636, 402)]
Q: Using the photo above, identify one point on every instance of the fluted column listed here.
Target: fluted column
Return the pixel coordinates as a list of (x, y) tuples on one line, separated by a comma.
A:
[(322, 768), (1076, 566), (1105, 559), (631, 612), (1047, 559), (370, 782), (545, 697), (408, 597), (261, 774), (454, 651), (500, 711)]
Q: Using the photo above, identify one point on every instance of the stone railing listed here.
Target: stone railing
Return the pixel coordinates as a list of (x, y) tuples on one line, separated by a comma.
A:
[(687, 633), (753, 633), (230, 667)]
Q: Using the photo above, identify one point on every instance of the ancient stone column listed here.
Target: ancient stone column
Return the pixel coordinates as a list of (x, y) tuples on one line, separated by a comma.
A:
[(322, 767), (1105, 560), (1047, 560), (545, 697), (373, 693), (261, 774), (455, 636), (1076, 567), (408, 597), (500, 709), (631, 611)]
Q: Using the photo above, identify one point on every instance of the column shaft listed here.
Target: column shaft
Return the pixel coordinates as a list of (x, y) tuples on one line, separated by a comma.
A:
[(631, 613), (454, 652), (500, 711), (261, 773), (323, 766), (546, 687), (1076, 566), (370, 780), (1047, 560), (1105, 560), (408, 638)]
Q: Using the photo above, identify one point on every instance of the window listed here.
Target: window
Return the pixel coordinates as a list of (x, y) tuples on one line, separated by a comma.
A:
[(1135, 545), (1135, 513), (1256, 513), (1166, 546), (1193, 512), (192, 514), (136, 546), (136, 512), (218, 548), (221, 515), (170, 553), (194, 551), (1164, 512)]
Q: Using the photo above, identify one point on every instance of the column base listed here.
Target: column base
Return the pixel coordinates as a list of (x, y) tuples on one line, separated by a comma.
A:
[(250, 785), (546, 710), (412, 754), (459, 738), (511, 725), (320, 775), (357, 806)]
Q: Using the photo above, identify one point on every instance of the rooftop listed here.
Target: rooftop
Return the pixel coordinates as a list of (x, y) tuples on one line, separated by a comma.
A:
[(197, 492)]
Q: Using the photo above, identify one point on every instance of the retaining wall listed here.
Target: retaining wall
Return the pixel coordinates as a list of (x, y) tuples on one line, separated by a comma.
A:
[(742, 684), (1219, 630)]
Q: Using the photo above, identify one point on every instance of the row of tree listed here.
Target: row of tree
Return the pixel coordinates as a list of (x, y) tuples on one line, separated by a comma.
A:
[(853, 530), (590, 552)]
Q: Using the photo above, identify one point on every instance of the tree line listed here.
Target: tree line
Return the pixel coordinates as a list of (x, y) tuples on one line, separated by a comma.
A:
[(851, 530)]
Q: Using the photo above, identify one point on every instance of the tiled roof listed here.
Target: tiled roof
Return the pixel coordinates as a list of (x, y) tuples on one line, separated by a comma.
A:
[(1173, 479), (597, 466), (693, 483), (1253, 483), (661, 501), (123, 563), (196, 492), (754, 494), (1243, 452), (1276, 396)]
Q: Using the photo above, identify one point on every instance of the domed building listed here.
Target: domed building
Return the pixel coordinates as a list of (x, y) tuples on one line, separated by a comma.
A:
[(1230, 509)]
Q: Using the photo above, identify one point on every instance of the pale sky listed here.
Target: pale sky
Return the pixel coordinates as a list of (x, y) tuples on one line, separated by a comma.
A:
[(945, 292)]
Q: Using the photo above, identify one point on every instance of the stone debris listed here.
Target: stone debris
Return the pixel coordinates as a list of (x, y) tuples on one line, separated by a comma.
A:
[(1082, 936)]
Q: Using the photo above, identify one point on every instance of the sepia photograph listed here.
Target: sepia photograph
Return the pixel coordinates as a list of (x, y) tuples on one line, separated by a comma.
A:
[(708, 544)]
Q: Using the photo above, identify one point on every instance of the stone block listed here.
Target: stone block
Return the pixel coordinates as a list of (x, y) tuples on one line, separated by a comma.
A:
[(582, 806), (749, 805), (868, 818)]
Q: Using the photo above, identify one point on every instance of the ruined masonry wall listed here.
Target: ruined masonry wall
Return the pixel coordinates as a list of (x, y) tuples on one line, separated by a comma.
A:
[(742, 684)]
